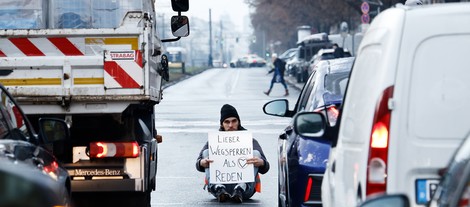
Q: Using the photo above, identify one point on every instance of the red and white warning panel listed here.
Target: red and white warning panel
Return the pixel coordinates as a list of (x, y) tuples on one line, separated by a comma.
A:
[(123, 69), (52, 46), (123, 66)]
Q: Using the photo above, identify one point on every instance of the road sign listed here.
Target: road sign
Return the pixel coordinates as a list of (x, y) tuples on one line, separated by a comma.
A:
[(365, 7), (365, 18)]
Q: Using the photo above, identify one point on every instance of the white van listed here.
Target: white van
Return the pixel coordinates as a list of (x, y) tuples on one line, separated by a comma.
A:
[(406, 108)]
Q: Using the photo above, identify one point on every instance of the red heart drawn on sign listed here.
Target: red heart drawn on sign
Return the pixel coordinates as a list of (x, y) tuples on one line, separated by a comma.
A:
[(242, 162)]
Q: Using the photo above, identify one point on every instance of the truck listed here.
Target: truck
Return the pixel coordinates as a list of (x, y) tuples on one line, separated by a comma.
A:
[(99, 65), (176, 58)]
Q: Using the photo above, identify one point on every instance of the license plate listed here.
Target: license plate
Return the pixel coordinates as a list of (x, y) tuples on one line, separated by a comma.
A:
[(425, 188)]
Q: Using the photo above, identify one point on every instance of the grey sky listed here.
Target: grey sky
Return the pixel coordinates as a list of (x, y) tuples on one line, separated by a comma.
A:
[(236, 9)]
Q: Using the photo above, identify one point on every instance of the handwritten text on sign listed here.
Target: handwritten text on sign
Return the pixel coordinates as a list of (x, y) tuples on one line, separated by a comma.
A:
[(230, 150)]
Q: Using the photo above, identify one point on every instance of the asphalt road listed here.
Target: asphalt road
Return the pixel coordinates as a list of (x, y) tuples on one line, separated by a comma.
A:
[(190, 109)]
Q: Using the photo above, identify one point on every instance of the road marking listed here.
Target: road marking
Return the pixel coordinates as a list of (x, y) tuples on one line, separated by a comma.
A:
[(234, 86)]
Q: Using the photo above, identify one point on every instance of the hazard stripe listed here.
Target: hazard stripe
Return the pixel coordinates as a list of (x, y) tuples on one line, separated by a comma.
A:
[(134, 42), (138, 58), (2, 54), (31, 81), (26, 47), (115, 71), (87, 81), (65, 46)]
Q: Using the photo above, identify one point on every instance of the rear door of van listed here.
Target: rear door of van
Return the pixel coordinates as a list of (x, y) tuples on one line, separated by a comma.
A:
[(431, 103)]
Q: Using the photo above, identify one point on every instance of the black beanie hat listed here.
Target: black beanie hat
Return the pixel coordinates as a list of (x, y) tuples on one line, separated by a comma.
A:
[(227, 111)]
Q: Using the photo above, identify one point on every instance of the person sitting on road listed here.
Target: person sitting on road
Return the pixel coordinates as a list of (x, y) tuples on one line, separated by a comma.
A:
[(230, 121)]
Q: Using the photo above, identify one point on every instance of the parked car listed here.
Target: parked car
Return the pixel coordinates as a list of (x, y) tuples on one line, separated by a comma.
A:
[(307, 47), (288, 54), (324, 54), (452, 191), (29, 174), (302, 160), (406, 100)]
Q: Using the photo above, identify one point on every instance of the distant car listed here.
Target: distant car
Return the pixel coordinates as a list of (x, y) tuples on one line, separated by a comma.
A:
[(29, 174), (250, 60), (452, 191), (302, 160)]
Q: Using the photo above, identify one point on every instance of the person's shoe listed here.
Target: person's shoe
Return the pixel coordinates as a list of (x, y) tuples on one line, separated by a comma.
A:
[(237, 195), (287, 93), (221, 194), (267, 93)]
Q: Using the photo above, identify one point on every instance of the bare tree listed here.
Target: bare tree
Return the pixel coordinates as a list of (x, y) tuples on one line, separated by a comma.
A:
[(277, 20)]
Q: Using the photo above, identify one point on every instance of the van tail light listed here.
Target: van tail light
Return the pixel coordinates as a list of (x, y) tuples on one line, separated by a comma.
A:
[(378, 147), (114, 149)]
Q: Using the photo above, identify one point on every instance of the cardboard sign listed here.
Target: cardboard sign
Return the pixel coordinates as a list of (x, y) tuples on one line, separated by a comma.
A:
[(230, 150)]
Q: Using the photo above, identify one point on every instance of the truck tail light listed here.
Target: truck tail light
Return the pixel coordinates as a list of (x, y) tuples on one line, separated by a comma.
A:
[(378, 147), (114, 149)]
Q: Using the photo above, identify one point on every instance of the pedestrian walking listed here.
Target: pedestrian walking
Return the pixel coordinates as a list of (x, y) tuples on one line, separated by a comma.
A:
[(230, 121), (278, 76)]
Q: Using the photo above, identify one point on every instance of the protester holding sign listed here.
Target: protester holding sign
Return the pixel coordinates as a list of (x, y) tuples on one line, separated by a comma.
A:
[(231, 154)]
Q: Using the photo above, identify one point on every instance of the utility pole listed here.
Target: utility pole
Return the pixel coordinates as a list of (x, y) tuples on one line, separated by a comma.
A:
[(210, 41), (221, 41)]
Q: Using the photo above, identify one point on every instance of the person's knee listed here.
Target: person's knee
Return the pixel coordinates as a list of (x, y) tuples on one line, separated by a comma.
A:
[(256, 153)]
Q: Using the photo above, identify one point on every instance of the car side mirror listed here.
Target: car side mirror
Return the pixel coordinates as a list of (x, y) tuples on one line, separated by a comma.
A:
[(309, 124), (398, 200), (278, 107), (180, 26), (52, 130)]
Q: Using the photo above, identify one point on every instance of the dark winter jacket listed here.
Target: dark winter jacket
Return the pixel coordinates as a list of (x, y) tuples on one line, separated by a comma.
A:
[(280, 64)]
